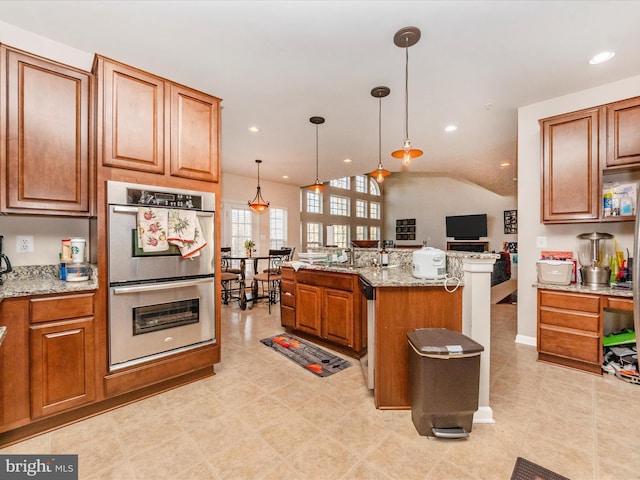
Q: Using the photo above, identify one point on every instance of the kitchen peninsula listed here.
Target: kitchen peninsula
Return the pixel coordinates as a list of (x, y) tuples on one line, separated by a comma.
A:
[(377, 327)]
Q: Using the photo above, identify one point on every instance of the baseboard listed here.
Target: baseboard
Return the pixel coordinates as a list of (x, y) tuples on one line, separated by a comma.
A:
[(483, 415), (526, 340)]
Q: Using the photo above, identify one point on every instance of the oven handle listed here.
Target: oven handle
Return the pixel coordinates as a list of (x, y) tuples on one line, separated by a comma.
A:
[(152, 287), (129, 209)]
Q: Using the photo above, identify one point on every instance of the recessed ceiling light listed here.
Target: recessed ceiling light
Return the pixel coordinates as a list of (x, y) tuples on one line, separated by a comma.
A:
[(285, 176), (602, 57), (254, 129), (450, 128), (347, 160), (504, 164)]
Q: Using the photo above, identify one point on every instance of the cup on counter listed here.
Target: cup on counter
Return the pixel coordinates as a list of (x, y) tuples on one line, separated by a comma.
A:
[(77, 249)]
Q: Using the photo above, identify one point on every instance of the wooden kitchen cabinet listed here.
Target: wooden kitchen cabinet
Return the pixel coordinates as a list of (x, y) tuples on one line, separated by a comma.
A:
[(572, 146), (46, 142), (326, 306), (152, 125), (623, 133), (61, 341), (569, 329), (287, 300)]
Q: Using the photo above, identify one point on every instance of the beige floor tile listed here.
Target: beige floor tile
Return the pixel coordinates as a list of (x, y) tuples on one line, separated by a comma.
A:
[(321, 457)]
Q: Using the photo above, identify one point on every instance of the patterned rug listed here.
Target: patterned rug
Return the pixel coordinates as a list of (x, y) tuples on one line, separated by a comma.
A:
[(307, 355), (512, 298), (526, 470)]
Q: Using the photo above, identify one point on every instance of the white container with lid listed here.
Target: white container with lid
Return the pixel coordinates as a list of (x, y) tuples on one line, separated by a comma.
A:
[(429, 262), (556, 272)]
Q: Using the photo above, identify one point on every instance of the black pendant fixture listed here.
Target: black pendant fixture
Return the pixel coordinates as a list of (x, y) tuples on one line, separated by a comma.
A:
[(380, 173), (258, 204), (317, 186)]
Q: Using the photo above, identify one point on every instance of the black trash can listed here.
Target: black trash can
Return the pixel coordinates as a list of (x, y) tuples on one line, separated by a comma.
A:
[(444, 379)]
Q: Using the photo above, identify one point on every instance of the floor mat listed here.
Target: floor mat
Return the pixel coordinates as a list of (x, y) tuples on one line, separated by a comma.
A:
[(307, 355), (526, 470), (512, 298)]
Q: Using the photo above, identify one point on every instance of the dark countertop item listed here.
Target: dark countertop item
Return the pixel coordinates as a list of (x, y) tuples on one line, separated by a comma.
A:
[(579, 288), (26, 281)]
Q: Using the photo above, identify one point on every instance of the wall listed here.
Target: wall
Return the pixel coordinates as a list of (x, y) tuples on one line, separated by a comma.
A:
[(559, 237), (238, 190), (429, 199)]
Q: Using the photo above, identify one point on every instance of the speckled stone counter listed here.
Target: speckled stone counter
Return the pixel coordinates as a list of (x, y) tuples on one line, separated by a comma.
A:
[(30, 280), (579, 288), (399, 273)]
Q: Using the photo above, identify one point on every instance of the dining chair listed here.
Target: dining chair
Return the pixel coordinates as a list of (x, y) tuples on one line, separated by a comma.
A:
[(270, 279), (229, 277)]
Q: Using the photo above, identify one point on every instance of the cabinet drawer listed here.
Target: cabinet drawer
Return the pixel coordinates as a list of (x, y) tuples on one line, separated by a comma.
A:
[(63, 307), (580, 321), (287, 286), (339, 281), (288, 299), (287, 273), (570, 301), (582, 347), (618, 303)]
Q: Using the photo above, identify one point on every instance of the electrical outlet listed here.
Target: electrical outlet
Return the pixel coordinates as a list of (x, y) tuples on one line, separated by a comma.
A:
[(541, 242), (24, 243)]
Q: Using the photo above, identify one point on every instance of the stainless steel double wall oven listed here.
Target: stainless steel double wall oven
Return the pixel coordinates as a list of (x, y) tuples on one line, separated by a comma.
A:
[(159, 302)]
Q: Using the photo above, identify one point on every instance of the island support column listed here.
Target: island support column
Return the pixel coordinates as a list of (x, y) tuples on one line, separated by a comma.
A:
[(476, 323)]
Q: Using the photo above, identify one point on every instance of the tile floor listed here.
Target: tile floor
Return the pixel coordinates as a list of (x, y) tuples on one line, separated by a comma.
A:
[(262, 417)]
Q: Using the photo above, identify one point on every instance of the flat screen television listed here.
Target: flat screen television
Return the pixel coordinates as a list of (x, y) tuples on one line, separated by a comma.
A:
[(467, 227)]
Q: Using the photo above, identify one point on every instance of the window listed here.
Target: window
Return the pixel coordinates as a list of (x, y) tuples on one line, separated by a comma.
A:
[(374, 210), (361, 232), (314, 202), (313, 235), (277, 227), (339, 205), (240, 229), (374, 233), (343, 182), (341, 235), (361, 184), (374, 188), (361, 209)]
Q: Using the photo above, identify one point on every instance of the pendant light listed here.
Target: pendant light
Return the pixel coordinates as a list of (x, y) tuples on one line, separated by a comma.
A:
[(379, 173), (317, 186), (258, 203), (405, 38)]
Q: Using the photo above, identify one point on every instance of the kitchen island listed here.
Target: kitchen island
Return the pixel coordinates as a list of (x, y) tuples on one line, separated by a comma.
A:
[(402, 303)]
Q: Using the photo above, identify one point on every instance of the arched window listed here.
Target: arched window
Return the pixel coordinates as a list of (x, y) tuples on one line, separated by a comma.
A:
[(374, 188)]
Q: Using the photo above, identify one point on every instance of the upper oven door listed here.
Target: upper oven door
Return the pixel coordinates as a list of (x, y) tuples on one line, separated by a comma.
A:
[(128, 263)]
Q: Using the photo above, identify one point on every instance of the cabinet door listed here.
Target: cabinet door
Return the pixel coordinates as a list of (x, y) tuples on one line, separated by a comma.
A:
[(62, 367), (337, 316), (46, 158), (132, 113), (308, 308), (570, 166), (623, 133), (194, 134)]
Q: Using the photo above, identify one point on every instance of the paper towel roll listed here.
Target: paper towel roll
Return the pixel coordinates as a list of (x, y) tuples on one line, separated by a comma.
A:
[(329, 239)]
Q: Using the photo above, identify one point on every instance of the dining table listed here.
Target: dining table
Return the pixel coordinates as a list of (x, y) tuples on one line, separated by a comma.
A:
[(245, 299)]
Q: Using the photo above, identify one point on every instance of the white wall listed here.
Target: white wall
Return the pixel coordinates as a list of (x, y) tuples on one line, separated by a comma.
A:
[(238, 190), (429, 199), (559, 237)]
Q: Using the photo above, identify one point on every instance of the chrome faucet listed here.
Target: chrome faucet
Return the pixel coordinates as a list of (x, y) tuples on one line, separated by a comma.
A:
[(350, 252)]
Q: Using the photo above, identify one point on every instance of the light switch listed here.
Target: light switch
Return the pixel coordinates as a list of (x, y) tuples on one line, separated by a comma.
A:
[(541, 242)]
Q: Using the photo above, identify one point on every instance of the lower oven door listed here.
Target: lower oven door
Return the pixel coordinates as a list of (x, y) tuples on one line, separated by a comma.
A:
[(153, 320)]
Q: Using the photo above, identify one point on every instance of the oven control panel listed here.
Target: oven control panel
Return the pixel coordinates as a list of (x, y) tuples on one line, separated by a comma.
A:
[(163, 199)]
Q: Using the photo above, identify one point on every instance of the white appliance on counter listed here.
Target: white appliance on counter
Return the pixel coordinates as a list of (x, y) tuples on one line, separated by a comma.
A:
[(429, 262)]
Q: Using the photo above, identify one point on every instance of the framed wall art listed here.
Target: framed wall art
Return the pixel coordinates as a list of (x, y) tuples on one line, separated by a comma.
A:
[(510, 221)]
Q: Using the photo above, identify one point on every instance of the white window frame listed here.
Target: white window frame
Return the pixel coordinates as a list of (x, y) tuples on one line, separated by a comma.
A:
[(277, 227), (362, 232), (361, 208), (341, 235), (374, 210), (314, 243), (361, 184), (313, 202), (374, 233), (339, 206), (374, 188), (343, 182)]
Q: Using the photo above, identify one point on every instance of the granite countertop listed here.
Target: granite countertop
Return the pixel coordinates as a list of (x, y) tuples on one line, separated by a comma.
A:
[(579, 288), (26, 281)]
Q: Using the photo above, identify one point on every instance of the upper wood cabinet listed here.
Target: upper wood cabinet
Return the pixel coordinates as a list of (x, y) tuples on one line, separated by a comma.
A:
[(571, 150), (45, 145), (623, 133), (149, 124)]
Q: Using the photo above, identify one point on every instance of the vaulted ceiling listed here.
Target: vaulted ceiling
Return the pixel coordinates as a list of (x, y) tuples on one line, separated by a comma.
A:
[(277, 63)]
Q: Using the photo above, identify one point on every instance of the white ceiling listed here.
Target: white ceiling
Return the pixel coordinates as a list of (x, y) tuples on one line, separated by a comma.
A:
[(277, 63)]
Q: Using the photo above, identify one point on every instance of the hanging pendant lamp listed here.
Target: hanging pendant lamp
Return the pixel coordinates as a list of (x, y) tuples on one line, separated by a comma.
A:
[(317, 186), (258, 204), (379, 173), (405, 38)]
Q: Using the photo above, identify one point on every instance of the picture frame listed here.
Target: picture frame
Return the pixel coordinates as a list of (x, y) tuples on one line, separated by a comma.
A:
[(510, 221)]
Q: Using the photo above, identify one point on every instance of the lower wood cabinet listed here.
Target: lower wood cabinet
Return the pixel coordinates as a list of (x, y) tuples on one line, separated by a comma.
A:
[(324, 305), (570, 329)]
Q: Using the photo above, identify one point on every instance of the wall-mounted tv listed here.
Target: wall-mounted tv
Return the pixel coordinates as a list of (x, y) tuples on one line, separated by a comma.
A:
[(467, 227)]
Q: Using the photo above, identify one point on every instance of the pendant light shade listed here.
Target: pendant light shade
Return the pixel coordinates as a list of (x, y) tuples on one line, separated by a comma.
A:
[(379, 173), (405, 38), (317, 186), (258, 204)]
